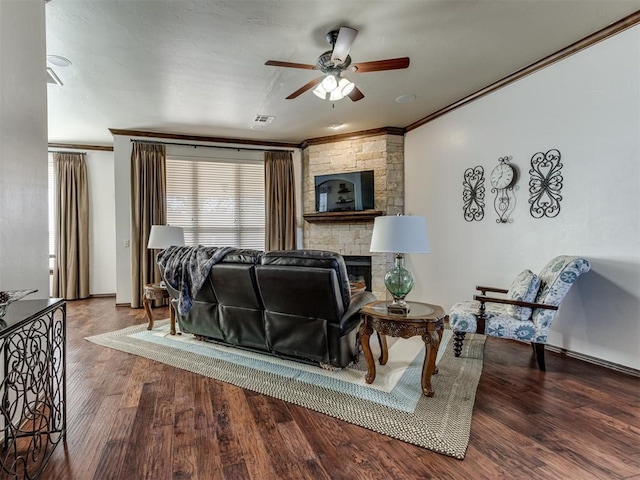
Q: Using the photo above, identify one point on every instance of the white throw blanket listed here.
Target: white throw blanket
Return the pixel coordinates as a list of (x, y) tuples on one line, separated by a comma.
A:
[(185, 269)]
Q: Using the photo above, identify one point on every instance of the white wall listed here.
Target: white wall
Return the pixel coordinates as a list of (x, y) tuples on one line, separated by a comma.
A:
[(24, 249), (122, 147), (588, 107), (122, 188), (102, 223)]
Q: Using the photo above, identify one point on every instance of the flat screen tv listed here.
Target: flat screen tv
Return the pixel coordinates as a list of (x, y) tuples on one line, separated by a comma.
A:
[(344, 192)]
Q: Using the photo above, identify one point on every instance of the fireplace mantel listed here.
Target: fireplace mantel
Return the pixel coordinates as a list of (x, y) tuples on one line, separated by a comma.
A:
[(343, 217)]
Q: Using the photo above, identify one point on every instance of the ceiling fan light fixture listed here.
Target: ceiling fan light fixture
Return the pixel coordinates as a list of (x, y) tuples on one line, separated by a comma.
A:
[(330, 83), (342, 88), (346, 86), (336, 95), (320, 92)]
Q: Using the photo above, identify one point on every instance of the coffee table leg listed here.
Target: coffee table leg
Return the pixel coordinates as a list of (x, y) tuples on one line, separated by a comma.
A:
[(147, 309), (365, 335), (432, 343)]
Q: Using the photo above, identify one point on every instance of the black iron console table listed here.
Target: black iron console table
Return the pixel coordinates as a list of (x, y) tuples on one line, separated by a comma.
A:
[(33, 388)]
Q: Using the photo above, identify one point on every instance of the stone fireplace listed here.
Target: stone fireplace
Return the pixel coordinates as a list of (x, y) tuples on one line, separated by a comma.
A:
[(381, 151)]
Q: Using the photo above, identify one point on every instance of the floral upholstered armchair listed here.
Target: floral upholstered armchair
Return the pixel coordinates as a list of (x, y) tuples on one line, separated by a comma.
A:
[(527, 310)]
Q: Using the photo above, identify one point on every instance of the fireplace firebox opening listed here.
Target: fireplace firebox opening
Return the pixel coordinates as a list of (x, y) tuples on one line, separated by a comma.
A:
[(359, 269)]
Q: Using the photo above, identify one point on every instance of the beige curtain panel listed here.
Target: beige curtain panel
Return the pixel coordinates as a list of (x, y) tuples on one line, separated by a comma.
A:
[(280, 204), (148, 207), (71, 267)]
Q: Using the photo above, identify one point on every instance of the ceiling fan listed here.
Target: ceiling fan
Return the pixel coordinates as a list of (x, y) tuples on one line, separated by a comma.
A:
[(332, 63)]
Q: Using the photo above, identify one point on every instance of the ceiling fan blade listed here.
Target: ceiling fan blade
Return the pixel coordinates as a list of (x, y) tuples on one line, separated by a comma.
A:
[(276, 63), (305, 87), (346, 37), (355, 94), (379, 65)]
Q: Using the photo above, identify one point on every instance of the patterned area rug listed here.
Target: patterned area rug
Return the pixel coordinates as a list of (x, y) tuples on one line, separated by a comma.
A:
[(392, 405)]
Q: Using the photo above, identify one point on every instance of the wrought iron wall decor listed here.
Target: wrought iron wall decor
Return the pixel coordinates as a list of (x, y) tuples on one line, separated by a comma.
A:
[(473, 194), (503, 178), (545, 185)]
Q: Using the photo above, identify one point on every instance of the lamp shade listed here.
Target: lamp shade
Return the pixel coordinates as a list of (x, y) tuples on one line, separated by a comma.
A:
[(400, 234), (164, 236)]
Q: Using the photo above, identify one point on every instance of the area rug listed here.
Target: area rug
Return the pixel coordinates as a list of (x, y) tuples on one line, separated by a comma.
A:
[(392, 405)]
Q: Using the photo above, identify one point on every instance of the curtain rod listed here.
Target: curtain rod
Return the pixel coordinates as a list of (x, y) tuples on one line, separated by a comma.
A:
[(66, 151), (211, 146)]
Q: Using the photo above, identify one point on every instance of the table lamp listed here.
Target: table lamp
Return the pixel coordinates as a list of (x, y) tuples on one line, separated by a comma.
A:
[(399, 234), (165, 236)]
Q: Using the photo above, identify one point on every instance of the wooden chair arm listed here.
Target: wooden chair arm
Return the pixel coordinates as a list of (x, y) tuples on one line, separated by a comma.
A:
[(490, 289), (483, 299)]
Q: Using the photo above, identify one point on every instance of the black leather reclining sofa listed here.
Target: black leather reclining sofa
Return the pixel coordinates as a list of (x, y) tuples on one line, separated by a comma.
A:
[(294, 304)]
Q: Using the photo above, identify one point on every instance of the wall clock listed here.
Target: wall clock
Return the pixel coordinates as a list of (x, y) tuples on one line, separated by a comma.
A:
[(502, 175), (503, 178)]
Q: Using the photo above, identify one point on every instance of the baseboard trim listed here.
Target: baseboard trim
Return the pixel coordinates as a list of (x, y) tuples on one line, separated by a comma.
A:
[(102, 295), (594, 360)]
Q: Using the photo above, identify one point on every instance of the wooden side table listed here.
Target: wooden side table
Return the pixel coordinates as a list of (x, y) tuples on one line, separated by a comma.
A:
[(155, 291), (423, 319)]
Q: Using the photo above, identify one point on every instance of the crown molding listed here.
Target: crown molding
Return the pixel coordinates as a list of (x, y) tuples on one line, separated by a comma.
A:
[(353, 136), (198, 138)]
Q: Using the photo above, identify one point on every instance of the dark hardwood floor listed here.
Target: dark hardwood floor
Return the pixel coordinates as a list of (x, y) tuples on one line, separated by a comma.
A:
[(133, 418)]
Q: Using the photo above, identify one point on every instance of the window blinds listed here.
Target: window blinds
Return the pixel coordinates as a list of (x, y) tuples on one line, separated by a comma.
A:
[(218, 202)]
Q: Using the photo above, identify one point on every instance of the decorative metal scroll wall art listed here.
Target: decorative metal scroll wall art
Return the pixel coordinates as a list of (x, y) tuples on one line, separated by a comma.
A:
[(473, 194), (545, 185), (503, 178)]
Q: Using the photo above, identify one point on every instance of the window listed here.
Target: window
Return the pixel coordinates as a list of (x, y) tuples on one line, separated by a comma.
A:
[(218, 201)]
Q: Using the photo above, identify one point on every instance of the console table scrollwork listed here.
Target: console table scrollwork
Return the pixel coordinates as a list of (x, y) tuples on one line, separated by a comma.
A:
[(33, 387)]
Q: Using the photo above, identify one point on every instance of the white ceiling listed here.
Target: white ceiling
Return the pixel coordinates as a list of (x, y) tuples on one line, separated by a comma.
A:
[(197, 67)]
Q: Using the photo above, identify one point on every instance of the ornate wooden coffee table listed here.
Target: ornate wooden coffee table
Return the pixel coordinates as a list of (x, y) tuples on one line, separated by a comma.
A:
[(155, 291), (423, 319)]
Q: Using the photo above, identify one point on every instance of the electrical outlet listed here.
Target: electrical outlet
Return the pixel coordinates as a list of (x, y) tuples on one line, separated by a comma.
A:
[(126, 243)]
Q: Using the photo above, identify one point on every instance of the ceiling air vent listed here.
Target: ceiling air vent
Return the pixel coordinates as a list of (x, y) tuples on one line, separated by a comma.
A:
[(261, 121), (52, 78)]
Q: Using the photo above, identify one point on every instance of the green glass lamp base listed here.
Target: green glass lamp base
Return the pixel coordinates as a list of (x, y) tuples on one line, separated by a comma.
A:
[(399, 282)]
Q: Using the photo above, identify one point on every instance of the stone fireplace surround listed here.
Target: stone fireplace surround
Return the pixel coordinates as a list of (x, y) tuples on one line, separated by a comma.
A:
[(381, 151)]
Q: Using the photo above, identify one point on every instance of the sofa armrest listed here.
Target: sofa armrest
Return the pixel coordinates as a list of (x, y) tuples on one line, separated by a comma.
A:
[(352, 314)]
